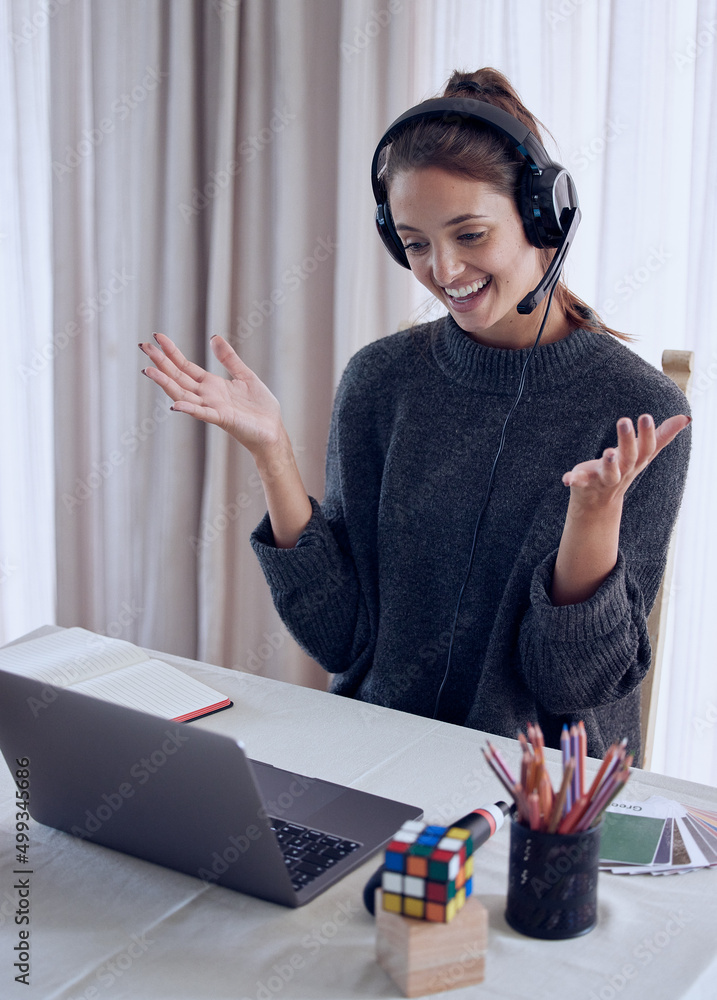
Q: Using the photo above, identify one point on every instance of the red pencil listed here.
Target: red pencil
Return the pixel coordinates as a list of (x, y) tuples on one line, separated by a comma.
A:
[(582, 754), (569, 823), (501, 763), (607, 793), (611, 751), (508, 785)]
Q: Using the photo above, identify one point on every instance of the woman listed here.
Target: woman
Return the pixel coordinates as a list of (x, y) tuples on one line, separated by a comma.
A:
[(550, 625)]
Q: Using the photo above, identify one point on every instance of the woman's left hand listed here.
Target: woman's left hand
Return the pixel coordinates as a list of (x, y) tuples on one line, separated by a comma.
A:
[(588, 548), (602, 481)]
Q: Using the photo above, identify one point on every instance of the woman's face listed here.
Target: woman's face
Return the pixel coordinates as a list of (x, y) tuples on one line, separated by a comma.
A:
[(465, 242)]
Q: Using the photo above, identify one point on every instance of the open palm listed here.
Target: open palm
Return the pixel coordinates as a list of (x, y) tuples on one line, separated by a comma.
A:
[(242, 405), (606, 478)]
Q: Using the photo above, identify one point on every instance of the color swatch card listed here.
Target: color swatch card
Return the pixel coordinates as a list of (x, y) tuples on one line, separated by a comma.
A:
[(658, 836)]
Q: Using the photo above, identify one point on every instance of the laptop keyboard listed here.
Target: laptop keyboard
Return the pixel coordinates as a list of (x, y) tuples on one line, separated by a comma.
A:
[(309, 853)]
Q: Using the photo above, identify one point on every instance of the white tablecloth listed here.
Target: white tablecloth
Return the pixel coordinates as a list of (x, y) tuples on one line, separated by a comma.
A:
[(105, 926)]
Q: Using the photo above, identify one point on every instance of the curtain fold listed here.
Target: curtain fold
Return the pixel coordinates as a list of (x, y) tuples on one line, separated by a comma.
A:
[(273, 259), (125, 151), (28, 342), (201, 168)]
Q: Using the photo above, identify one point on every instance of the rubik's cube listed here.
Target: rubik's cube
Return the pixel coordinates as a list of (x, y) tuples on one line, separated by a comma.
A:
[(428, 871)]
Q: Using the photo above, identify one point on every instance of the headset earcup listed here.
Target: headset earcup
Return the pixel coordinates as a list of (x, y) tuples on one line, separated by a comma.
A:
[(528, 208), (544, 197), (390, 238)]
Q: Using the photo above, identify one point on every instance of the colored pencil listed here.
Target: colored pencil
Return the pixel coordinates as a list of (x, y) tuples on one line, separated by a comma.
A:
[(570, 822), (501, 763), (573, 809), (565, 748), (582, 754), (611, 751), (600, 804), (509, 786), (534, 813), (574, 753), (559, 803)]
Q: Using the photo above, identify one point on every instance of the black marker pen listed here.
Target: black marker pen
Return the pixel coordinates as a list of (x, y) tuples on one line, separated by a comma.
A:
[(482, 824)]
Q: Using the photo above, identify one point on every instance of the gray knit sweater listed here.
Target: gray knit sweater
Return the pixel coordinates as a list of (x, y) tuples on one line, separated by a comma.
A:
[(371, 588)]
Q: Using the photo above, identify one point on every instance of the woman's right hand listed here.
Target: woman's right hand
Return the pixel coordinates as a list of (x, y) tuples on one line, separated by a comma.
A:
[(241, 404)]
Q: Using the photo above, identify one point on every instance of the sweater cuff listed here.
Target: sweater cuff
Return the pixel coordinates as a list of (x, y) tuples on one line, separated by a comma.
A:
[(315, 555), (597, 616)]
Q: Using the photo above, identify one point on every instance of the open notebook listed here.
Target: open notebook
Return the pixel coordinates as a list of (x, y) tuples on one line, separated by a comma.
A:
[(110, 669)]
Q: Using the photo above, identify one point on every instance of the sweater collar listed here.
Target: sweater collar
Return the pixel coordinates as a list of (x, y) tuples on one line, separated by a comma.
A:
[(498, 370)]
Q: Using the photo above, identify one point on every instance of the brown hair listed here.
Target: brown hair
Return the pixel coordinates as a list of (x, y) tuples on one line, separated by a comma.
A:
[(483, 154)]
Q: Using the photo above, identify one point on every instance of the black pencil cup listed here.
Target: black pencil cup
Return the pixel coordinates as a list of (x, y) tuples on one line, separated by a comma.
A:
[(552, 882)]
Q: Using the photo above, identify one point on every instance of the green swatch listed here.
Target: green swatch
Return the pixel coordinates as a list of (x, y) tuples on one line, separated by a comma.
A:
[(630, 839)]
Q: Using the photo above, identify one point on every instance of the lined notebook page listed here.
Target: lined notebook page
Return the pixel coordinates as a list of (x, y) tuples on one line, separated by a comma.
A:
[(158, 688), (65, 658)]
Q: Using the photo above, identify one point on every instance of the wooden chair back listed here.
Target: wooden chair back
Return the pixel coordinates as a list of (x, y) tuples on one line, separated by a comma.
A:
[(678, 366)]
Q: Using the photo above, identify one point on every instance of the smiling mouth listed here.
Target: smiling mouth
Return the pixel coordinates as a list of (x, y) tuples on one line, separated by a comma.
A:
[(465, 293)]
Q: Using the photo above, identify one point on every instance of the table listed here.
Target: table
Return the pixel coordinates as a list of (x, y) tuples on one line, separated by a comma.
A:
[(106, 926)]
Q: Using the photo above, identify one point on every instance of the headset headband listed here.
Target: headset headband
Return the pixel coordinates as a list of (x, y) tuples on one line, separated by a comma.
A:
[(455, 111), (548, 201)]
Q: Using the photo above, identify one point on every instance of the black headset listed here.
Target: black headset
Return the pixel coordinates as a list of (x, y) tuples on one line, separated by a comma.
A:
[(548, 201)]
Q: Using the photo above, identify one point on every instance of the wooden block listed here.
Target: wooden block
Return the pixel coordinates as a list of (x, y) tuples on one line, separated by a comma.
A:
[(426, 957)]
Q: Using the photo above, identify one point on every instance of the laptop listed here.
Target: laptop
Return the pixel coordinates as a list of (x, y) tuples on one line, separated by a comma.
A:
[(186, 798)]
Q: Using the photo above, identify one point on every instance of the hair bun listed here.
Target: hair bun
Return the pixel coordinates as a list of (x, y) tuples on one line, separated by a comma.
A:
[(476, 89)]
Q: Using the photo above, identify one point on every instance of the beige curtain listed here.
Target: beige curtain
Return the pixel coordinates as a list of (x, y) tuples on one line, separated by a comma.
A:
[(195, 150), (194, 158), (271, 261), (128, 146)]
